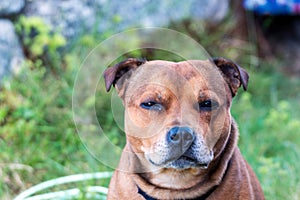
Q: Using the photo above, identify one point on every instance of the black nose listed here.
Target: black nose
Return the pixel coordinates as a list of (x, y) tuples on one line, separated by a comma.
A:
[(183, 136)]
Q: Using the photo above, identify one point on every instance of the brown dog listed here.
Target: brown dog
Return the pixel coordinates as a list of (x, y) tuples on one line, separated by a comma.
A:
[(181, 138)]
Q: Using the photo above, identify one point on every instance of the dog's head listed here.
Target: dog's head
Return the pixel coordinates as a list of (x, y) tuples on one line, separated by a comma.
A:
[(177, 114)]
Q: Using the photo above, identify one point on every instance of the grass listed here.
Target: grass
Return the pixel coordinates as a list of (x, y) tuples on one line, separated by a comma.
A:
[(269, 128), (38, 138)]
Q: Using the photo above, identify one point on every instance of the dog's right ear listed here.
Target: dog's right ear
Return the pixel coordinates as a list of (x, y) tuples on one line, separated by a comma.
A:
[(116, 74)]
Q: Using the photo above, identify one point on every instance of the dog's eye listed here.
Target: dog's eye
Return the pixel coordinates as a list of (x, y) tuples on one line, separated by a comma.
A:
[(151, 105), (208, 105)]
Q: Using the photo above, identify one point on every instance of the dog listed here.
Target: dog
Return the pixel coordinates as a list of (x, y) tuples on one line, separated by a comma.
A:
[(181, 140)]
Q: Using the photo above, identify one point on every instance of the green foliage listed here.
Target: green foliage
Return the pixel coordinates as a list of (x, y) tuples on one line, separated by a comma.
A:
[(37, 130), (38, 38), (269, 133)]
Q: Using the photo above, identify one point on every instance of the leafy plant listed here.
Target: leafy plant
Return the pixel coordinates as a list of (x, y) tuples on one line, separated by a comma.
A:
[(269, 127), (39, 40)]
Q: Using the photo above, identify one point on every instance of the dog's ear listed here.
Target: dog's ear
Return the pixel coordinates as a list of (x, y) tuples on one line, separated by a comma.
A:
[(234, 75), (113, 74)]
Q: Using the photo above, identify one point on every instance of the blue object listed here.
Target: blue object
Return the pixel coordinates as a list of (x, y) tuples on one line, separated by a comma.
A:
[(273, 7)]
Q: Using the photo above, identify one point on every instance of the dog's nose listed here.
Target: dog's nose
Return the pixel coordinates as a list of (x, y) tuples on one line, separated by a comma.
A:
[(183, 136)]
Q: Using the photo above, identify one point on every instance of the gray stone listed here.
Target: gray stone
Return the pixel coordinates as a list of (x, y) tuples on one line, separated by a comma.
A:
[(11, 55), (210, 10), (70, 17), (76, 17), (157, 13), (11, 7)]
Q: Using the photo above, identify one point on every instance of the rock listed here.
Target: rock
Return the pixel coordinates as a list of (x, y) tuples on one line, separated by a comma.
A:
[(210, 10), (70, 17), (11, 55), (11, 7), (157, 13), (75, 17)]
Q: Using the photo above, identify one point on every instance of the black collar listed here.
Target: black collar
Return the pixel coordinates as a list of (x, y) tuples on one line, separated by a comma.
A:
[(203, 197), (145, 195)]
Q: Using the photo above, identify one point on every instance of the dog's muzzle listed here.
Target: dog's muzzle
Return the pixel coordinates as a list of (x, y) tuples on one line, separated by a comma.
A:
[(182, 149)]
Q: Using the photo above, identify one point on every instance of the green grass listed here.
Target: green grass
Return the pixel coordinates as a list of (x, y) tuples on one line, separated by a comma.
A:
[(37, 129), (269, 126)]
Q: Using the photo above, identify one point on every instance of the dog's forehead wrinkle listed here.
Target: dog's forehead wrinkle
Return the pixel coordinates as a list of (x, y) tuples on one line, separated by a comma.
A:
[(179, 78), (160, 71), (153, 69)]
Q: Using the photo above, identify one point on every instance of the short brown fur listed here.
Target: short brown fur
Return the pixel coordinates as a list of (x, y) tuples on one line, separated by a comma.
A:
[(179, 88)]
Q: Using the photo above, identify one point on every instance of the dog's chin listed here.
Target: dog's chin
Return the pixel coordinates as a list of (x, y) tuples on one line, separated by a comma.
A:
[(185, 162)]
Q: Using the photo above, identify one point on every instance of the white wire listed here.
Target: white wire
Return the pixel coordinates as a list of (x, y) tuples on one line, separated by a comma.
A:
[(62, 180), (65, 194), (71, 193)]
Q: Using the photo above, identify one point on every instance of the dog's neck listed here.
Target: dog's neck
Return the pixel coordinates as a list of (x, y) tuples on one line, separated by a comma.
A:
[(202, 197), (191, 183)]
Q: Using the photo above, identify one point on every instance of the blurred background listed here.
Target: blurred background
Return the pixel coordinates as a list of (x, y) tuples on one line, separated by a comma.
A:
[(44, 42)]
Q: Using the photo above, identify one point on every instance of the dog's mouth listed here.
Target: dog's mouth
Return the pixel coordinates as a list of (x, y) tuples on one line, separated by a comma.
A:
[(192, 161), (185, 162), (197, 155)]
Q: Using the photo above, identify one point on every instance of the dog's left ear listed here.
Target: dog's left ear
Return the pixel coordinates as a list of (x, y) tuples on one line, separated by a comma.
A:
[(234, 75), (113, 74)]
